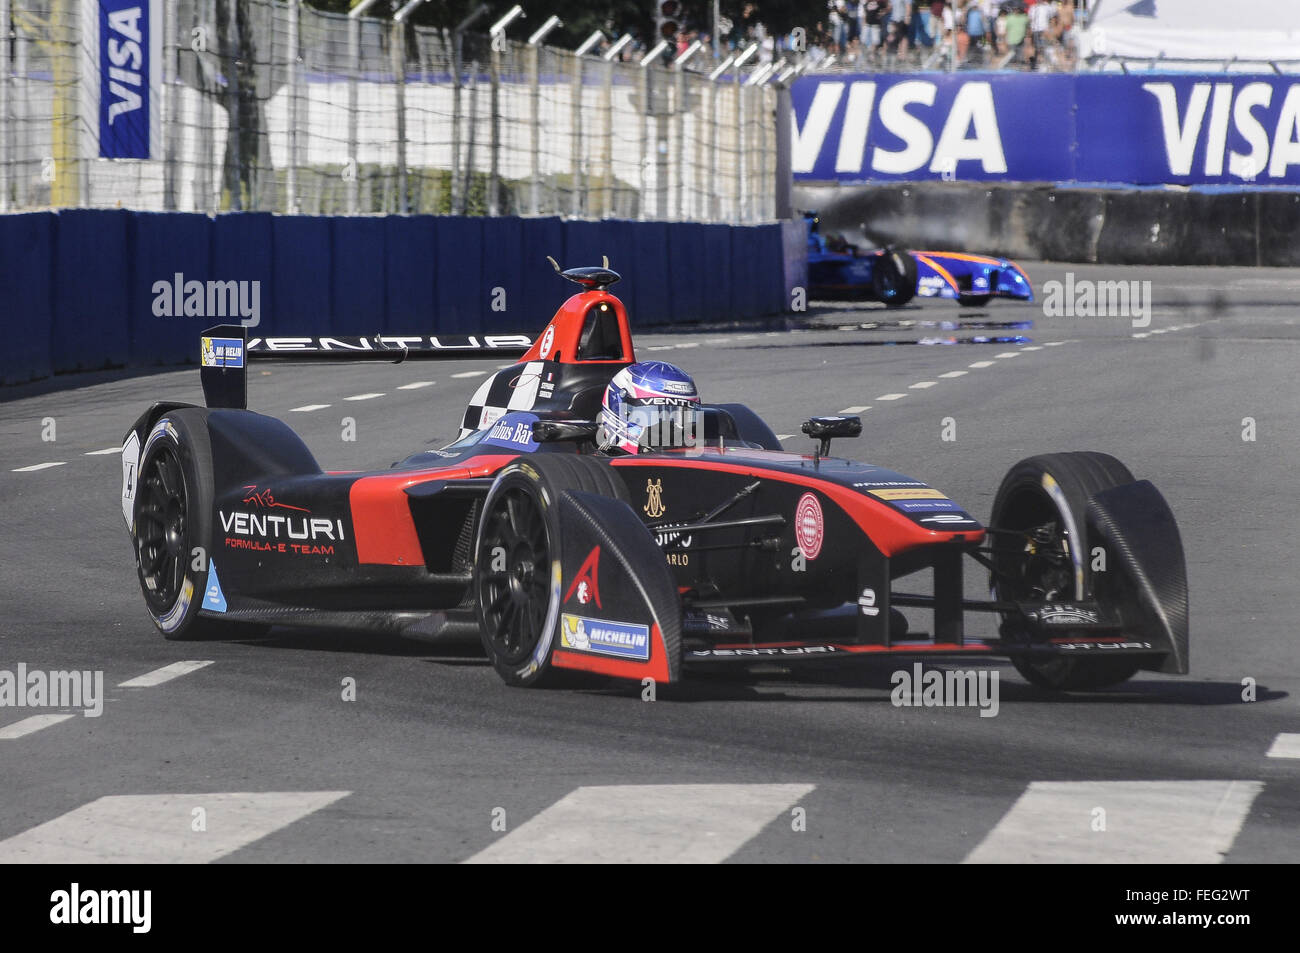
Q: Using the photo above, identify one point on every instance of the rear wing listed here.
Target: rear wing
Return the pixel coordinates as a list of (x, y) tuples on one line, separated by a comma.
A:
[(225, 352)]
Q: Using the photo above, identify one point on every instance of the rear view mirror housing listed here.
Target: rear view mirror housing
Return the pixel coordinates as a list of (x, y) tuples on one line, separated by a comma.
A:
[(825, 429)]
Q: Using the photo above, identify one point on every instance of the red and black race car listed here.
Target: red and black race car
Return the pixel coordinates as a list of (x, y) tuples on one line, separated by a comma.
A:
[(725, 551)]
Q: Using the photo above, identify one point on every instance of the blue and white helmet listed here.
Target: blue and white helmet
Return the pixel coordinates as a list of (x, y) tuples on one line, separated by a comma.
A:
[(649, 405)]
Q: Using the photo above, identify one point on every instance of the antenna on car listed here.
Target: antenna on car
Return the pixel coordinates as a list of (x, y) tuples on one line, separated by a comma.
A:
[(555, 264), (605, 261)]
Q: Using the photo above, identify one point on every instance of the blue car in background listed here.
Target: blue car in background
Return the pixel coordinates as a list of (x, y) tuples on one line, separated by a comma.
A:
[(838, 270)]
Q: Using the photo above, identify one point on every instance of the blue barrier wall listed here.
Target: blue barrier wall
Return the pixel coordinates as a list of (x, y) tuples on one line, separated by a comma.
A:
[(94, 288), (27, 312)]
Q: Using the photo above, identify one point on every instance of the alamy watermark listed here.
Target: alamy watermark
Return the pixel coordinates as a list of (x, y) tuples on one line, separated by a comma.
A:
[(23, 688), (953, 688), (1083, 298), (179, 298)]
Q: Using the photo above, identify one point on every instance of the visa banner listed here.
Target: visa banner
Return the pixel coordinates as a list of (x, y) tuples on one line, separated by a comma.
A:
[(124, 87), (1136, 129)]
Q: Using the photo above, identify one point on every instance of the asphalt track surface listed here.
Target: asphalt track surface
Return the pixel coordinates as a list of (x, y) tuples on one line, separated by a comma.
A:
[(435, 755)]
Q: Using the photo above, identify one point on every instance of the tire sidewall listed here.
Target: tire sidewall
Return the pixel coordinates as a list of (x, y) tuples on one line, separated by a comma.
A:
[(520, 474), (186, 434)]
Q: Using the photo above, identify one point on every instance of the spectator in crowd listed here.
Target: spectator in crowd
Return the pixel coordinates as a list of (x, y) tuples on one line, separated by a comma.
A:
[(900, 15), (1017, 28), (895, 43), (918, 33), (873, 13), (1041, 15), (838, 19), (975, 25)]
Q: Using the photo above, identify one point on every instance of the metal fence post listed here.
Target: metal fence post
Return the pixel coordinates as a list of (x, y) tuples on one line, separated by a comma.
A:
[(652, 114), (679, 125), (714, 203), (575, 120), (6, 134), (535, 111), (783, 204), (291, 66), (352, 173), (607, 126), (398, 50), (497, 34), (170, 89), (457, 69), (740, 129)]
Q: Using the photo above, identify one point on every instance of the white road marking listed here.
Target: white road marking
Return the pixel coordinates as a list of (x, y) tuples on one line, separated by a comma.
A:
[(1032, 347), (103, 453), (1007, 354), (784, 436), (307, 408), (891, 397), (464, 374), (689, 344), (1148, 822), (363, 396), (40, 466), (164, 674), (1141, 334), (158, 828), (981, 364), (920, 385), (1054, 343), (659, 347), (955, 374), (29, 725), (1285, 745), (658, 823), (855, 409), (415, 385)]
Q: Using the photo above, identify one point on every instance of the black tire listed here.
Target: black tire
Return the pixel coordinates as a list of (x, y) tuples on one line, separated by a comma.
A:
[(973, 301), (893, 277), (1023, 503), (171, 519), (752, 428), (516, 606)]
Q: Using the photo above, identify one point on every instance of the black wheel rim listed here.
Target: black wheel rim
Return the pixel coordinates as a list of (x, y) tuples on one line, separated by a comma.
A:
[(1036, 567), (162, 528), (514, 599)]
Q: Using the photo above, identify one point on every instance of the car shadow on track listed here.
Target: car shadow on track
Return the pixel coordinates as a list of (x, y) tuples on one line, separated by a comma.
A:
[(766, 683), (450, 651)]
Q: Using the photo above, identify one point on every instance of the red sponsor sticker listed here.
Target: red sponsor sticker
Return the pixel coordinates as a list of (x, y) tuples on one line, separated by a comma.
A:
[(809, 526), (586, 585)]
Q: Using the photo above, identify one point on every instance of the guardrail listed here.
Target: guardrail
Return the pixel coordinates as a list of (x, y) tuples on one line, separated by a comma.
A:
[(85, 289)]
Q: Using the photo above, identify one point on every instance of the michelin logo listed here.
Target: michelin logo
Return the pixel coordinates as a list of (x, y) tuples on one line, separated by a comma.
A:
[(620, 639)]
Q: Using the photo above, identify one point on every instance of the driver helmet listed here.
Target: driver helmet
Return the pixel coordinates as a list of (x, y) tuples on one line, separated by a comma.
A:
[(648, 406)]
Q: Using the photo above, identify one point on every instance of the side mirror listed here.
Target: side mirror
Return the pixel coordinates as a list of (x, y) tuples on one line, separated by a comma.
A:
[(826, 429)]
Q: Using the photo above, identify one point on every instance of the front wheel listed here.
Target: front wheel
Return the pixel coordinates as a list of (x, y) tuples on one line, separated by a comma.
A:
[(172, 523), (1044, 500), (517, 559), (893, 277)]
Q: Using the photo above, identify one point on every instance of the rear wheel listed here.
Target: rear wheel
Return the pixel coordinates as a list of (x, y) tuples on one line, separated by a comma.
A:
[(517, 559), (1045, 498), (893, 277), (172, 524)]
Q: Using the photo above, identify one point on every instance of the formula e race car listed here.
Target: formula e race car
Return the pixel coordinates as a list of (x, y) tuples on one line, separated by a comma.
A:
[(840, 270), (723, 549)]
